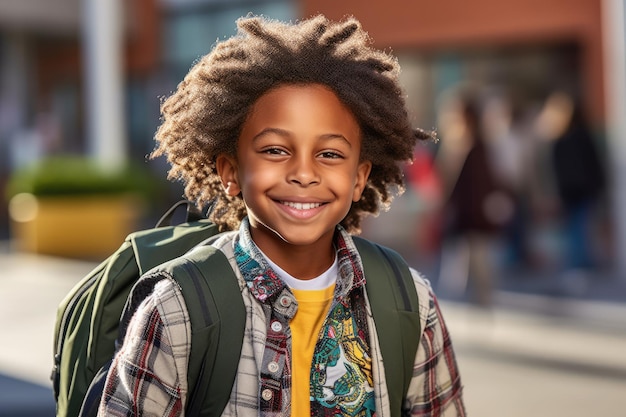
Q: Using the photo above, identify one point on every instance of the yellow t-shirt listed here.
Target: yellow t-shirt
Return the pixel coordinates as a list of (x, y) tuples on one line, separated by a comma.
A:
[(313, 306)]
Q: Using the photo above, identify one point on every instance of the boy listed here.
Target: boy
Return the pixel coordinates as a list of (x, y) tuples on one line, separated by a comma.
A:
[(292, 133)]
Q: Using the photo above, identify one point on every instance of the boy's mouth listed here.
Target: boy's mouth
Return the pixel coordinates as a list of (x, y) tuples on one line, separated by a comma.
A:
[(301, 206)]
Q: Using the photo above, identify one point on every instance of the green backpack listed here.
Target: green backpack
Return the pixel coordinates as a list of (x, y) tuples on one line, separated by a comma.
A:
[(93, 316)]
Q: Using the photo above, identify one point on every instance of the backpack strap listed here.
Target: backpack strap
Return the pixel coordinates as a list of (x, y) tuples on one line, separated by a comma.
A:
[(395, 307), (218, 316)]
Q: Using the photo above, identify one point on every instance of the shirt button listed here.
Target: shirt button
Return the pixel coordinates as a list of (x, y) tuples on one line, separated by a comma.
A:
[(267, 394), (276, 326), (285, 301), (272, 366)]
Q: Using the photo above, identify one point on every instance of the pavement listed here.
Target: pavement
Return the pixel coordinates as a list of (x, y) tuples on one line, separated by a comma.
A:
[(536, 320)]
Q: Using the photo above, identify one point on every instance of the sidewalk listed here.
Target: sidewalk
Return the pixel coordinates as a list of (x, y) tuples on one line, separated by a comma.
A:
[(32, 286)]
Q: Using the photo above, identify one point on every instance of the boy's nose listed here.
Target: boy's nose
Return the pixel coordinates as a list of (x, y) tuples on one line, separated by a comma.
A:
[(303, 173)]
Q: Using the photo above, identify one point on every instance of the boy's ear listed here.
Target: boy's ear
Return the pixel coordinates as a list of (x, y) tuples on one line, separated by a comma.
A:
[(362, 175), (226, 166)]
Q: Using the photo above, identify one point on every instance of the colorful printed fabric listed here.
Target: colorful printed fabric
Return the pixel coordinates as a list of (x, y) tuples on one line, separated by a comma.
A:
[(341, 377)]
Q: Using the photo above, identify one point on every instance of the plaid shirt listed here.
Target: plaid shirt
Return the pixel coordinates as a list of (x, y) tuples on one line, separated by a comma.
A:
[(149, 374)]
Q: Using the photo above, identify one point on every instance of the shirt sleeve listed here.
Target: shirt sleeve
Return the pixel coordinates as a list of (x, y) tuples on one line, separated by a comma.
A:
[(148, 376), (435, 389)]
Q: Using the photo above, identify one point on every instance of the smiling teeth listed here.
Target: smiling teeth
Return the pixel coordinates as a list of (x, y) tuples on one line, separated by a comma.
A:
[(301, 206)]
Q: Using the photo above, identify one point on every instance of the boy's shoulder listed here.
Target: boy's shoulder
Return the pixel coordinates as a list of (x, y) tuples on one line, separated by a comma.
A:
[(224, 241), (421, 283), (361, 243)]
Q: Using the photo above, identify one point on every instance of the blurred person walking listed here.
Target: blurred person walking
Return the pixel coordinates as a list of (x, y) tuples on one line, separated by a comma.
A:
[(579, 177), (478, 204), (508, 131)]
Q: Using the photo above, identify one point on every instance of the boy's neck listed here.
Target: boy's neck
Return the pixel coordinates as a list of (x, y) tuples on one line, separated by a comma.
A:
[(301, 262)]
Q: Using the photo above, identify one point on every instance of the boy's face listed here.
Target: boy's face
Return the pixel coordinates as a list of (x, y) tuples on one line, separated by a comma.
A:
[(298, 166)]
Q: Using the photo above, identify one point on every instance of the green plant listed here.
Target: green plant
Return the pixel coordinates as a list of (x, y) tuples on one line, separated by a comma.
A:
[(79, 175)]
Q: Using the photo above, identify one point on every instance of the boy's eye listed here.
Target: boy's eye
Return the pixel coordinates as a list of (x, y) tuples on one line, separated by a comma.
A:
[(330, 155), (274, 151)]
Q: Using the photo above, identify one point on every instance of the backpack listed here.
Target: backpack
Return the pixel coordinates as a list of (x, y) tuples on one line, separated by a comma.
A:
[(92, 319), (88, 318)]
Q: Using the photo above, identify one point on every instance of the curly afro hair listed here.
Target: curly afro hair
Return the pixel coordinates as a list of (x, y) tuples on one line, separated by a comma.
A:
[(204, 116)]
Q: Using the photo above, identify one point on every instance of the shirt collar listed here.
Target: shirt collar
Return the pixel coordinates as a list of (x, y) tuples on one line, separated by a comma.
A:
[(264, 283)]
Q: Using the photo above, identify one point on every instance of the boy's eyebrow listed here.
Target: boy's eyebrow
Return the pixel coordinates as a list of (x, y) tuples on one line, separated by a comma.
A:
[(285, 133), (278, 131)]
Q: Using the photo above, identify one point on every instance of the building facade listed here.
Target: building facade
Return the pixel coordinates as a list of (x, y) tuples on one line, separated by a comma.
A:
[(523, 49)]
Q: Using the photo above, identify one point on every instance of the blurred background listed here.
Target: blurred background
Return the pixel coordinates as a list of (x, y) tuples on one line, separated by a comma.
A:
[(520, 205)]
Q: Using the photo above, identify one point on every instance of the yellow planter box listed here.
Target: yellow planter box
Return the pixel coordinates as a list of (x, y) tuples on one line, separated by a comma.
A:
[(88, 227)]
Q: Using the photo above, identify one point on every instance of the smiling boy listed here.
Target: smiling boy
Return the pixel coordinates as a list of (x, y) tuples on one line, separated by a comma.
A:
[(292, 133), (298, 166)]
